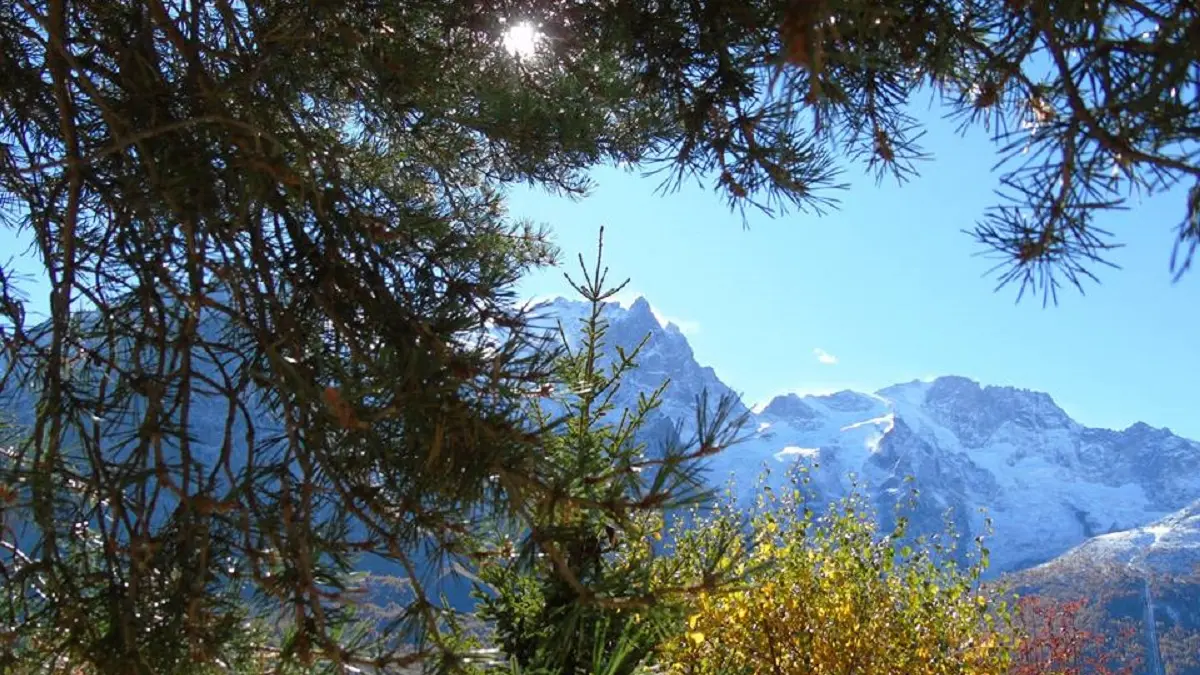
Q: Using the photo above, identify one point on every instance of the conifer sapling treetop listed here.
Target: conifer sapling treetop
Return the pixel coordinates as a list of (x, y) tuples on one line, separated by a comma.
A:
[(582, 584)]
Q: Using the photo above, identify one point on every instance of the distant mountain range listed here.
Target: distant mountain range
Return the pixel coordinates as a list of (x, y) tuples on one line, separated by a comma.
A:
[(1047, 482)]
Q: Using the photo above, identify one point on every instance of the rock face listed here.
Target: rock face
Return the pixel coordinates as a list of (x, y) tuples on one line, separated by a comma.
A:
[(1047, 482), (666, 354)]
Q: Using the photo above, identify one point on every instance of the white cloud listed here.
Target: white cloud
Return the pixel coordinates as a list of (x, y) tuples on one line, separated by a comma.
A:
[(825, 357)]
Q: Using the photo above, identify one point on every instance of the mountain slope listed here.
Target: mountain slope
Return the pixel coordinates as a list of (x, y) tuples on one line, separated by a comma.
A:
[(1147, 576), (1168, 547), (1047, 482)]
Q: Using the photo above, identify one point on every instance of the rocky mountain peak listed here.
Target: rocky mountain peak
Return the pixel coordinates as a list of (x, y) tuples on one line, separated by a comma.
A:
[(788, 407), (976, 413), (641, 306), (847, 401)]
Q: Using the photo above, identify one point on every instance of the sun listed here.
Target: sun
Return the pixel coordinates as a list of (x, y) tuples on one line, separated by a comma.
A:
[(521, 40)]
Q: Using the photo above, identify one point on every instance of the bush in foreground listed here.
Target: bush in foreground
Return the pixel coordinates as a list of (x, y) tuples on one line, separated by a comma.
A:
[(831, 595)]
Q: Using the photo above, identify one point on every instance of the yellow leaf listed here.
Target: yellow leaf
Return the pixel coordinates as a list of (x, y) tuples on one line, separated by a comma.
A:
[(696, 636)]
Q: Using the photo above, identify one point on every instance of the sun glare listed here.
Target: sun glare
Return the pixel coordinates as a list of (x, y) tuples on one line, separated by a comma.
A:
[(521, 40)]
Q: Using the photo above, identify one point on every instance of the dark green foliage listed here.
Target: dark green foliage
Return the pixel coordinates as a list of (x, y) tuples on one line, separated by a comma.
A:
[(276, 250), (46, 621), (590, 590)]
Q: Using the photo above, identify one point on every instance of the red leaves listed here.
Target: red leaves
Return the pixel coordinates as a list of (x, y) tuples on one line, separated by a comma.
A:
[(1056, 642)]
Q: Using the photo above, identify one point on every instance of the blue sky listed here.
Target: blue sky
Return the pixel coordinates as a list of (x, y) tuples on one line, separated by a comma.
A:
[(886, 289)]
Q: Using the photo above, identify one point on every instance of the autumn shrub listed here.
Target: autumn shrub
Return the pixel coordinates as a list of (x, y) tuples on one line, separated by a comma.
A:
[(833, 594), (1056, 639), (1180, 650)]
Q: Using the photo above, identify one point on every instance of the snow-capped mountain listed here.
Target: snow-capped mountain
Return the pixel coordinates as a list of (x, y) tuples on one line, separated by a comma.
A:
[(666, 355), (1047, 482)]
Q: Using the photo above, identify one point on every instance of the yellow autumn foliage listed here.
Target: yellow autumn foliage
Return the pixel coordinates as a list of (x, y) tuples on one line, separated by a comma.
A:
[(834, 596)]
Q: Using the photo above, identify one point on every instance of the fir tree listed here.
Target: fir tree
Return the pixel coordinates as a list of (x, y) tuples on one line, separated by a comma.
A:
[(584, 587)]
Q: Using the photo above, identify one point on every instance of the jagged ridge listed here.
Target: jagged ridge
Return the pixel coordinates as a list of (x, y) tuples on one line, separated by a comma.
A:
[(1048, 482)]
